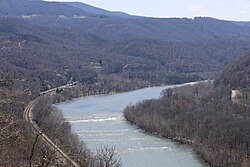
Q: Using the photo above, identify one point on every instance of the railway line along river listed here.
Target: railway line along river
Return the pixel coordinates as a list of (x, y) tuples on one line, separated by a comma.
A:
[(99, 121)]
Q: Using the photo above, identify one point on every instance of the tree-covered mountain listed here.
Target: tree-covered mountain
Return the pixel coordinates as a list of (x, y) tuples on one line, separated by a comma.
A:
[(36, 50), (27, 8), (53, 36), (97, 11), (172, 29), (39, 36), (56, 14), (244, 23)]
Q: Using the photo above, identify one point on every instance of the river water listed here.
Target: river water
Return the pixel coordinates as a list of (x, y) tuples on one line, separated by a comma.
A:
[(99, 121)]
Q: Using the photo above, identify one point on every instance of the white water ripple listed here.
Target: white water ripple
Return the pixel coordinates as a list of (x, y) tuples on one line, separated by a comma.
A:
[(150, 148), (104, 131), (96, 120), (104, 134)]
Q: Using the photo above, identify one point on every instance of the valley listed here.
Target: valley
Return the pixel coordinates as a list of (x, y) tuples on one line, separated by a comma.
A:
[(44, 45)]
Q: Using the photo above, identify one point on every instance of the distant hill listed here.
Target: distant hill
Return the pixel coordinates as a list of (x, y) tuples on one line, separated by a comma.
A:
[(244, 23), (39, 7), (71, 36), (178, 30), (102, 23), (97, 11), (35, 8)]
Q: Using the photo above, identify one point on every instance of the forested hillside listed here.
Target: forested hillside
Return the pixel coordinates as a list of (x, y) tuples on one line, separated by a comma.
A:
[(67, 41), (128, 47), (236, 75), (26, 8), (202, 116), (67, 53), (98, 11)]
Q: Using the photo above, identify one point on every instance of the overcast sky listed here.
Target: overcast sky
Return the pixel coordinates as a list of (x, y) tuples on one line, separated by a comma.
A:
[(221, 9)]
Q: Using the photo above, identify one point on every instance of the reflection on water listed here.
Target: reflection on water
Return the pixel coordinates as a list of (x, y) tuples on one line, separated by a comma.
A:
[(98, 120)]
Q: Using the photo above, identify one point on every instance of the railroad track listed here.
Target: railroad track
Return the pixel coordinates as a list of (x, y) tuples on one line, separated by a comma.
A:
[(61, 155)]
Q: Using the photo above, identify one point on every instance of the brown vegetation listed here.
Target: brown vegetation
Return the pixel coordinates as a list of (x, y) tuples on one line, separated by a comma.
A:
[(236, 75), (202, 116), (19, 145)]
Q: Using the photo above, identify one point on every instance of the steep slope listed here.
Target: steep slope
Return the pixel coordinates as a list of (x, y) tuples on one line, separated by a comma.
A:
[(237, 74), (200, 56)]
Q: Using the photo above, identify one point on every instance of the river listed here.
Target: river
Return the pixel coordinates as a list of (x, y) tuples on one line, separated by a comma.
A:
[(99, 121)]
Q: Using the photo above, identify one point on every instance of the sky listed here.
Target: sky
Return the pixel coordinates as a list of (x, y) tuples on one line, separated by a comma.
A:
[(238, 10)]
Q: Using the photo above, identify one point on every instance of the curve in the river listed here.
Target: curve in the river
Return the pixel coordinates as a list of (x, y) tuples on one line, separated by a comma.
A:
[(99, 121)]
